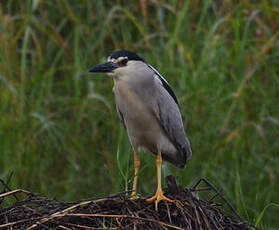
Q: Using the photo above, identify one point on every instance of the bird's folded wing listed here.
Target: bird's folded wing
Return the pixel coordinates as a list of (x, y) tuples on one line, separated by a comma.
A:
[(170, 119)]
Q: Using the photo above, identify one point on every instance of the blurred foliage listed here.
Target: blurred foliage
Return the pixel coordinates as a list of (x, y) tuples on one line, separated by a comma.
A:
[(59, 133)]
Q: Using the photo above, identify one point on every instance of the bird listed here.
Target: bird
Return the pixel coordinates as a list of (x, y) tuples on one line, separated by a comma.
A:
[(148, 108)]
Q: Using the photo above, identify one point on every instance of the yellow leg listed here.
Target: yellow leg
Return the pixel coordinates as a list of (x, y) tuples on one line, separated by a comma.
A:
[(159, 194), (137, 167)]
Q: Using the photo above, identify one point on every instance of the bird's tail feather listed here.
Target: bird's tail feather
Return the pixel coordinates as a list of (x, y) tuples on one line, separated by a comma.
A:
[(179, 159)]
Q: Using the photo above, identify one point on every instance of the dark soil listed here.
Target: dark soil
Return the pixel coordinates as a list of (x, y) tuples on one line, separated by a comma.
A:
[(189, 211)]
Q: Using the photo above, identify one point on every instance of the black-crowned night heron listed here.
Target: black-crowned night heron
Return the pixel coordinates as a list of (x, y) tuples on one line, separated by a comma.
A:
[(149, 111)]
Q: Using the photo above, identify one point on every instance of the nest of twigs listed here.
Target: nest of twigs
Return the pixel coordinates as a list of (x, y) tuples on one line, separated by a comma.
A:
[(119, 212)]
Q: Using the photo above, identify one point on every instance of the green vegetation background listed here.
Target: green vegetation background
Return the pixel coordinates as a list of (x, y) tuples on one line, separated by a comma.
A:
[(59, 133)]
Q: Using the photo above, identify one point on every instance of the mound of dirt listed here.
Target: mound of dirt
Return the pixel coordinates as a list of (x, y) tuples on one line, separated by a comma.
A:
[(189, 211)]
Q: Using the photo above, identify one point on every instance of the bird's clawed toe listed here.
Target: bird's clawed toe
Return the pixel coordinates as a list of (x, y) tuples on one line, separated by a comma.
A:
[(134, 197), (159, 196)]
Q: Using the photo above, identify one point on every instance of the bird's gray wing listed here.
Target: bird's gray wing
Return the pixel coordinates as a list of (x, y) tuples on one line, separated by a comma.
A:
[(171, 120)]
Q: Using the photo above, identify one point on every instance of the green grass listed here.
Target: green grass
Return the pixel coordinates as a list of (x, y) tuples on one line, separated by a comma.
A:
[(59, 132)]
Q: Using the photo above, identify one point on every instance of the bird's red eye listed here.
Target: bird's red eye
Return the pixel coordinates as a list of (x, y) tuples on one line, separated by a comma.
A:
[(123, 62)]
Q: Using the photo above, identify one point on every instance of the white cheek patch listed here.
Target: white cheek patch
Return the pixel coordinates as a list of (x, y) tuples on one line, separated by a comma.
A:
[(111, 60), (121, 58), (116, 60)]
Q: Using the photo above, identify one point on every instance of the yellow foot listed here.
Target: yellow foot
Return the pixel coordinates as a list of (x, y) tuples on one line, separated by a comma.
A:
[(134, 197), (158, 197)]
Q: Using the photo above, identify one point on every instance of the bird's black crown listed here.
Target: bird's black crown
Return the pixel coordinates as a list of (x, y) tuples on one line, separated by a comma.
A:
[(126, 53)]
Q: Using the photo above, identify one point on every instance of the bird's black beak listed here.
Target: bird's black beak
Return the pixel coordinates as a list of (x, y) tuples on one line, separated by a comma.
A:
[(107, 67)]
